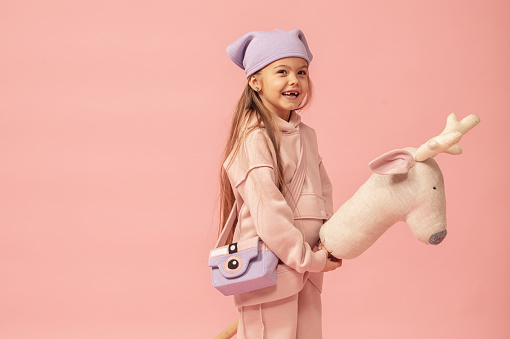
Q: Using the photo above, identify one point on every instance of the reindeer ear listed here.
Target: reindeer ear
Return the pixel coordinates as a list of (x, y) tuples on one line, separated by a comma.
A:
[(394, 162)]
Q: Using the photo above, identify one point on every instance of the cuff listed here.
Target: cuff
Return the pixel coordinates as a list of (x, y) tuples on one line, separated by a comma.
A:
[(319, 261)]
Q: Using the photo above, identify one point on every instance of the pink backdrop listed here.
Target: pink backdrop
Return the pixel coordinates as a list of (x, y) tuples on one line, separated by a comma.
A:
[(113, 115)]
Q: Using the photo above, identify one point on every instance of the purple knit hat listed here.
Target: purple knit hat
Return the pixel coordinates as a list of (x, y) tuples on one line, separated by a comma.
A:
[(255, 50)]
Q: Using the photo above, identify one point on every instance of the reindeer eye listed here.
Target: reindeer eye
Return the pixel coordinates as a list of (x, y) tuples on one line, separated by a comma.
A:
[(434, 187)]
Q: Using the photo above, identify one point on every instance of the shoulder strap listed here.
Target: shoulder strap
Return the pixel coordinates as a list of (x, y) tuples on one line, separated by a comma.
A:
[(292, 194), (228, 226)]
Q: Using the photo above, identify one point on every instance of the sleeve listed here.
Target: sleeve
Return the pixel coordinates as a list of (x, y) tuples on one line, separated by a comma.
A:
[(327, 189), (272, 216)]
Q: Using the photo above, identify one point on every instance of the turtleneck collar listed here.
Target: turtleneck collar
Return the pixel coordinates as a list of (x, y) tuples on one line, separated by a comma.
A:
[(286, 127), (291, 125)]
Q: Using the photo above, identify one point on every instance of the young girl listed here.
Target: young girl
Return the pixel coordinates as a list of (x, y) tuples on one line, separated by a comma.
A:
[(261, 157)]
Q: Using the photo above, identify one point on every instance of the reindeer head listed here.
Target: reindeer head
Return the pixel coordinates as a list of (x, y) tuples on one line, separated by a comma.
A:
[(407, 185), (417, 183)]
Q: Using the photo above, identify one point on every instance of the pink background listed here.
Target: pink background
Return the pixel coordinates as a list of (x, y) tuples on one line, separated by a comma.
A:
[(113, 115)]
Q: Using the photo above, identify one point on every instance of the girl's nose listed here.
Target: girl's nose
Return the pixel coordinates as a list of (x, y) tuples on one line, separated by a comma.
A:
[(292, 80)]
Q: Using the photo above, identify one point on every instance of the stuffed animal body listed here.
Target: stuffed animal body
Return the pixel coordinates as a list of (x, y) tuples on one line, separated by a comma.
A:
[(407, 185)]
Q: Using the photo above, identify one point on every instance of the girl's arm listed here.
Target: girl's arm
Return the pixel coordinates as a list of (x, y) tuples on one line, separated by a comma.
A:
[(274, 222), (252, 172)]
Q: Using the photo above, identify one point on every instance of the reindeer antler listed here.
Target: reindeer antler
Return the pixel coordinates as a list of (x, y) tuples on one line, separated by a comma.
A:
[(447, 141)]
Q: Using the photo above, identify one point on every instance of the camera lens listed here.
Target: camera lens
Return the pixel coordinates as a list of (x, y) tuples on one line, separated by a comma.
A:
[(233, 264)]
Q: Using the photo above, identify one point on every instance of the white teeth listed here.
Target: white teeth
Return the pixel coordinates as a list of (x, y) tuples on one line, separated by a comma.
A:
[(290, 93)]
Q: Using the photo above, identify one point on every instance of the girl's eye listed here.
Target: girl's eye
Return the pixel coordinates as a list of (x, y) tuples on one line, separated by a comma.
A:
[(302, 72), (282, 71)]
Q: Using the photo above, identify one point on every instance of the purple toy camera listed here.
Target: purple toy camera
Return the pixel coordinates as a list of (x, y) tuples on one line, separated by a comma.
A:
[(243, 266)]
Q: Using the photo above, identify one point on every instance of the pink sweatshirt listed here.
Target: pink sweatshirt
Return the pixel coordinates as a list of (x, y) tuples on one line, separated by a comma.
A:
[(263, 210)]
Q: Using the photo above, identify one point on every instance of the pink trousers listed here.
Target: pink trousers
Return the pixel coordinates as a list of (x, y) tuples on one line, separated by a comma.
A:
[(296, 317)]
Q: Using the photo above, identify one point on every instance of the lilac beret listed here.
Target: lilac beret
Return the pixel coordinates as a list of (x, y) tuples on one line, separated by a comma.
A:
[(255, 50)]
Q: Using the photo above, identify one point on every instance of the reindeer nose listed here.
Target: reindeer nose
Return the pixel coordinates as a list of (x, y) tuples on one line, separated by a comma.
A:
[(436, 238)]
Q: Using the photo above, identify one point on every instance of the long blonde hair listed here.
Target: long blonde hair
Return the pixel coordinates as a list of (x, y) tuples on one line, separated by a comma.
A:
[(250, 107)]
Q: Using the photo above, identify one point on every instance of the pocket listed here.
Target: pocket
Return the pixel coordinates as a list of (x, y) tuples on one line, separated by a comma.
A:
[(310, 206)]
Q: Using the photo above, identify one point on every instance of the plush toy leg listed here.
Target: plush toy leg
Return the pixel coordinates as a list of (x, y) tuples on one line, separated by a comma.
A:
[(230, 331)]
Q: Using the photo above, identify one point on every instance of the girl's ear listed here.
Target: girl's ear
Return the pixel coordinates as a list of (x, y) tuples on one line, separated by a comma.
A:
[(254, 83)]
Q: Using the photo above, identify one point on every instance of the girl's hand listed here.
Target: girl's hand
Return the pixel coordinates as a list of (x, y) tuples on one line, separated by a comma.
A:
[(332, 263)]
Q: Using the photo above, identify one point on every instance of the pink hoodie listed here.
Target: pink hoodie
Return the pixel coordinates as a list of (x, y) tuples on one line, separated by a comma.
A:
[(263, 210)]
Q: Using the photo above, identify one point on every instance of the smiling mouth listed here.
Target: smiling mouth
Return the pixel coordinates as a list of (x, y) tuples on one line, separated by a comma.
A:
[(290, 94)]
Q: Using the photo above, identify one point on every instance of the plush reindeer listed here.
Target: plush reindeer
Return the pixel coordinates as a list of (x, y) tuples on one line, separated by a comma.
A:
[(407, 185)]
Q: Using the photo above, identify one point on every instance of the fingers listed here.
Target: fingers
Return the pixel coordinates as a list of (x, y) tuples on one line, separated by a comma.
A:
[(332, 264)]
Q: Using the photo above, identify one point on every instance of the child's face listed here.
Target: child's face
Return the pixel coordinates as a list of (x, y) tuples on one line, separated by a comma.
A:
[(283, 85)]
